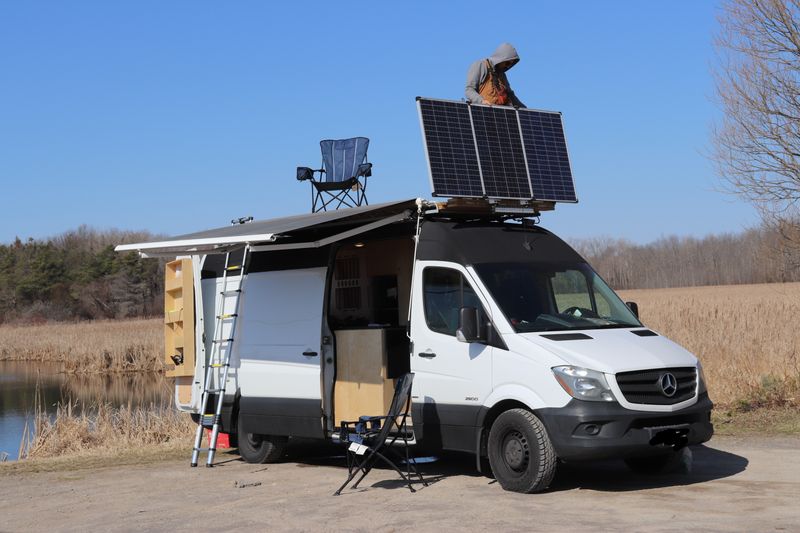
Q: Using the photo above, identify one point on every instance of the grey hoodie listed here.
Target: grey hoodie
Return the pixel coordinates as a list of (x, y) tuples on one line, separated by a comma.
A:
[(478, 73)]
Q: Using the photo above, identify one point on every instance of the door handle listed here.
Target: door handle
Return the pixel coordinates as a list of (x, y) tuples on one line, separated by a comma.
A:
[(427, 355), (309, 353)]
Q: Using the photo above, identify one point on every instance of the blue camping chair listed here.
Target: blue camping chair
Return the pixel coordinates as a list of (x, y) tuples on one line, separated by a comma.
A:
[(344, 161)]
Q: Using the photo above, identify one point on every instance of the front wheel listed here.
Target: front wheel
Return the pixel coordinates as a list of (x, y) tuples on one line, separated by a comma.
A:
[(520, 452), (255, 448)]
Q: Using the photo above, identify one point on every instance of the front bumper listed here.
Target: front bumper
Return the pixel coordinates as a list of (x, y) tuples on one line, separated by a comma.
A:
[(597, 430)]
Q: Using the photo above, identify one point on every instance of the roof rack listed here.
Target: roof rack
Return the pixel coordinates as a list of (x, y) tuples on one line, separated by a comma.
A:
[(483, 207)]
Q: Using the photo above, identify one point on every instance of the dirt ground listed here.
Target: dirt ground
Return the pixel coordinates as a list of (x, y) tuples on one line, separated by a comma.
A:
[(734, 484)]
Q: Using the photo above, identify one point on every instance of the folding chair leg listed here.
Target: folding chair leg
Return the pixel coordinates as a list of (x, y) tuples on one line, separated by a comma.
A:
[(349, 479), (388, 462)]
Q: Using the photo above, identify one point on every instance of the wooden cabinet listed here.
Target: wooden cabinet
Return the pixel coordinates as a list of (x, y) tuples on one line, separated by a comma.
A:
[(179, 349), (362, 386)]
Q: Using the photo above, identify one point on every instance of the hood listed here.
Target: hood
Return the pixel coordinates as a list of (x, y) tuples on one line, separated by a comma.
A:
[(504, 52), (615, 350)]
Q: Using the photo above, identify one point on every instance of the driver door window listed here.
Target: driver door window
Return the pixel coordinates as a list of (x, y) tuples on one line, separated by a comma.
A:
[(445, 293)]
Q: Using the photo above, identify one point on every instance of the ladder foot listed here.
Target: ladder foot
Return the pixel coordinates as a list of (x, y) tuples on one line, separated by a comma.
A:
[(193, 465), (209, 466)]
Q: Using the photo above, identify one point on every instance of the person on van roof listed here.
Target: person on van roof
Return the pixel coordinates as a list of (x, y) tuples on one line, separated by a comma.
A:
[(487, 82)]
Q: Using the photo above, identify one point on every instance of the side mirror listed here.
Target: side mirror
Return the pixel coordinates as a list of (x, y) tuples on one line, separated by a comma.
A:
[(634, 307), (468, 326)]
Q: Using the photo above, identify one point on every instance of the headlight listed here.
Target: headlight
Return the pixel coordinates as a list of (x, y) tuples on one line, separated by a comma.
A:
[(701, 379), (583, 384)]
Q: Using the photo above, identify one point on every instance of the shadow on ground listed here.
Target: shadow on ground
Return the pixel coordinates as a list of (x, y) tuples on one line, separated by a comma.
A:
[(707, 464)]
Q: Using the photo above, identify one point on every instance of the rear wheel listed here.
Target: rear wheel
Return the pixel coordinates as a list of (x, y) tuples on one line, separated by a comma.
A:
[(255, 448), (520, 452)]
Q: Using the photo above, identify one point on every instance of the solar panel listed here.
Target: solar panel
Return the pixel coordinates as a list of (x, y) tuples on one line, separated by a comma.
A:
[(500, 151), (547, 156), (451, 148), (495, 152)]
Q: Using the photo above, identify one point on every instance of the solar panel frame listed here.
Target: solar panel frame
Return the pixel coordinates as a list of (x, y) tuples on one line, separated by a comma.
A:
[(547, 165)]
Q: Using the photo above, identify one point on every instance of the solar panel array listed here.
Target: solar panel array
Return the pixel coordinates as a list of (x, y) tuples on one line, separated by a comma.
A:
[(495, 152)]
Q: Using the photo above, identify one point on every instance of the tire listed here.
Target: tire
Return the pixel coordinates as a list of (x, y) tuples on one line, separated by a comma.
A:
[(255, 448), (654, 464), (520, 452)]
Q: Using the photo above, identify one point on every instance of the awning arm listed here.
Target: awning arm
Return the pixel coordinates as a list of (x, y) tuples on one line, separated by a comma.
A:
[(192, 246), (338, 237)]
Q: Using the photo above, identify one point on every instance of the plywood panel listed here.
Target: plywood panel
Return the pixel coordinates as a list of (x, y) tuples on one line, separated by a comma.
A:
[(183, 384), (361, 384)]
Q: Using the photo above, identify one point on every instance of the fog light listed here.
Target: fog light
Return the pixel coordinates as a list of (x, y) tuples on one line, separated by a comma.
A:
[(592, 429)]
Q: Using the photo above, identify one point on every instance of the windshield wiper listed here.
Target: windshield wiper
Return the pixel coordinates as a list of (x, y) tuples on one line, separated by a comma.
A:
[(613, 326)]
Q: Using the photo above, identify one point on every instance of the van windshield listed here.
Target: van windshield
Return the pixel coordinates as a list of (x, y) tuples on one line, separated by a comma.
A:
[(554, 297)]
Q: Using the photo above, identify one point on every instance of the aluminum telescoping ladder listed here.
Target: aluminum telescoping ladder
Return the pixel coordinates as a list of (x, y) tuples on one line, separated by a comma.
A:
[(220, 358)]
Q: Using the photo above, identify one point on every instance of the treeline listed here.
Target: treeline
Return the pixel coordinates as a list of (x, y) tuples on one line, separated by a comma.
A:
[(78, 275), (767, 254)]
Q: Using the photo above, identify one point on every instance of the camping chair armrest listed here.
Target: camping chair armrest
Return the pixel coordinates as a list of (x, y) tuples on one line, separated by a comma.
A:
[(306, 173), (364, 169)]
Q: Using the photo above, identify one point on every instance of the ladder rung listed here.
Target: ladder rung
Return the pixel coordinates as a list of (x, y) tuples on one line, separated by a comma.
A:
[(231, 315), (218, 365), (215, 390), (218, 341), (234, 267), (205, 449), (230, 291)]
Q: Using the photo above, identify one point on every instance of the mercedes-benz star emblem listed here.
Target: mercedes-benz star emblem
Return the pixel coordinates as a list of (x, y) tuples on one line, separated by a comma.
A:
[(669, 385)]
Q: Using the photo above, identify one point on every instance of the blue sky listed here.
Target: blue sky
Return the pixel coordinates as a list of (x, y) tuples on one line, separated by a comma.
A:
[(178, 116)]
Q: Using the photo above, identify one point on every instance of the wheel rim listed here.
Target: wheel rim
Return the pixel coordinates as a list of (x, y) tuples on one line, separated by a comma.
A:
[(254, 440), (516, 453)]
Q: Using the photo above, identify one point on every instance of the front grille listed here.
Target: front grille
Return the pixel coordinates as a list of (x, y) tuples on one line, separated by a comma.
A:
[(644, 386)]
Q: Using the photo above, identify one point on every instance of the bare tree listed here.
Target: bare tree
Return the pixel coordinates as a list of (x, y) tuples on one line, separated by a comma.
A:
[(756, 145)]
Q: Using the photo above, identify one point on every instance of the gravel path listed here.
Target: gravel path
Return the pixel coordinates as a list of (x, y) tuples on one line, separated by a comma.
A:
[(735, 484)]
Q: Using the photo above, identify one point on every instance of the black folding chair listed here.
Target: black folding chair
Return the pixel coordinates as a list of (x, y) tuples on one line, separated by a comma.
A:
[(344, 163), (373, 437)]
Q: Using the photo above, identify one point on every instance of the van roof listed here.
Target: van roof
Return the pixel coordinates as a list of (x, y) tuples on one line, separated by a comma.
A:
[(475, 242), (266, 231)]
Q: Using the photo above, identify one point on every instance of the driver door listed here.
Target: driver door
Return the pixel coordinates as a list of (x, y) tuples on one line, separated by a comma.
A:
[(452, 378)]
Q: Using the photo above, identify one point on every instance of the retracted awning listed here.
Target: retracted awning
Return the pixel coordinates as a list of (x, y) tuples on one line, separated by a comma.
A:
[(269, 233)]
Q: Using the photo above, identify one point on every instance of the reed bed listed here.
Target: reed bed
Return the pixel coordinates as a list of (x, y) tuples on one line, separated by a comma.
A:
[(103, 429), (96, 347), (744, 335)]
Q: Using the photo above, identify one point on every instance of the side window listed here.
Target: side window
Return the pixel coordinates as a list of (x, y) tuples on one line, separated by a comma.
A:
[(571, 290), (445, 293)]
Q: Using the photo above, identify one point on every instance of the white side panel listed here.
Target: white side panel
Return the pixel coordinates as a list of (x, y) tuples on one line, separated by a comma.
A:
[(280, 319), (450, 374)]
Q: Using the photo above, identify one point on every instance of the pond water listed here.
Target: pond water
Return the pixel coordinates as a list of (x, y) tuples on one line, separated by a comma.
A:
[(22, 382)]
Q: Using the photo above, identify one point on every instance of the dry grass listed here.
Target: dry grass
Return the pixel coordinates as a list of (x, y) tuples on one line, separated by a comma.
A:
[(104, 430), (744, 335), (103, 346)]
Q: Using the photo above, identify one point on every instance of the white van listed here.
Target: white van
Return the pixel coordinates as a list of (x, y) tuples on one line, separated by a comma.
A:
[(522, 354)]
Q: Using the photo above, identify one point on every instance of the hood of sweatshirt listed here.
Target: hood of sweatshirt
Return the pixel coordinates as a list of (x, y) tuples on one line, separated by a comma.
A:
[(504, 52)]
